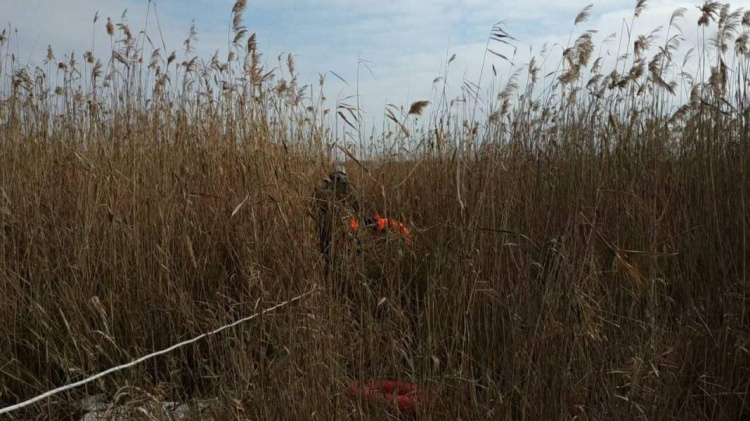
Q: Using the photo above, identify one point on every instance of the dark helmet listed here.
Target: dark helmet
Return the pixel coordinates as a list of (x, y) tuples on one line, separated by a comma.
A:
[(338, 174)]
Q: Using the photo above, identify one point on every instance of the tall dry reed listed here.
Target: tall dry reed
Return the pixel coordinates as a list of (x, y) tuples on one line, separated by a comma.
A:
[(581, 252)]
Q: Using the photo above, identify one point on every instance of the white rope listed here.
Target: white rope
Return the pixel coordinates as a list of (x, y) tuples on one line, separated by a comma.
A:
[(146, 357)]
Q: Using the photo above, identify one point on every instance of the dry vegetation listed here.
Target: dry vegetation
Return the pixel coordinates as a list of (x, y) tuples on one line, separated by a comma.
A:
[(579, 253)]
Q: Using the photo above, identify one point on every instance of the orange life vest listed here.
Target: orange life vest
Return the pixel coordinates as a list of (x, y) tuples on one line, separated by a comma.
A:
[(382, 225)]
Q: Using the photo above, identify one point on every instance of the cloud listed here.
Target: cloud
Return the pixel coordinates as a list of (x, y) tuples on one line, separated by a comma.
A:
[(69, 26), (405, 43)]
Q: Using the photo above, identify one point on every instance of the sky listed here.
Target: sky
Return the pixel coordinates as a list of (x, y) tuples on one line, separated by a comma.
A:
[(393, 48)]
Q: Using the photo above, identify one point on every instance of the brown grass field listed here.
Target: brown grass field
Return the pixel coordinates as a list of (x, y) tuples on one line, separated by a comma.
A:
[(578, 254)]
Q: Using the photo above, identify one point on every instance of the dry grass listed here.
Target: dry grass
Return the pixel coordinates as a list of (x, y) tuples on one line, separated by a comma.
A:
[(583, 254)]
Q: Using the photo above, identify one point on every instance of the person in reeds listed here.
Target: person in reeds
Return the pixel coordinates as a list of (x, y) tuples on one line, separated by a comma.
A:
[(353, 248), (336, 205)]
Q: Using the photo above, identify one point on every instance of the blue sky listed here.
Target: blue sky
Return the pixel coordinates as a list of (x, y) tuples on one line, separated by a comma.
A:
[(405, 42)]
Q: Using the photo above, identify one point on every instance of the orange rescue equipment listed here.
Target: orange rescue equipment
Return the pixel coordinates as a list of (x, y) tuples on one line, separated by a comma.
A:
[(407, 396)]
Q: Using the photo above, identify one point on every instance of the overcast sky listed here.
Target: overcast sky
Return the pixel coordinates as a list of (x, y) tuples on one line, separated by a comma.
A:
[(405, 42)]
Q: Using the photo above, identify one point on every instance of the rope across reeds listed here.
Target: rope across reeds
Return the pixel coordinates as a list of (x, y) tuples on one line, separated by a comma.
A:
[(149, 356)]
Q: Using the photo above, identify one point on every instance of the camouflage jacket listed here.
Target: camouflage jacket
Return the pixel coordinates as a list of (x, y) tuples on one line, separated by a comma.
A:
[(335, 202)]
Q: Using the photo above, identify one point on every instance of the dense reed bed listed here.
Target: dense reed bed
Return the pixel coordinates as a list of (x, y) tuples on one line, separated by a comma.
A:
[(580, 248)]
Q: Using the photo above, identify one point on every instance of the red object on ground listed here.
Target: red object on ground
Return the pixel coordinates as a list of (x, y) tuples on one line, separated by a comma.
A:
[(407, 396)]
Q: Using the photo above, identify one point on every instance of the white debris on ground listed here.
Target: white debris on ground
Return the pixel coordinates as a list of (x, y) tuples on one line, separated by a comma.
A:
[(97, 409)]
